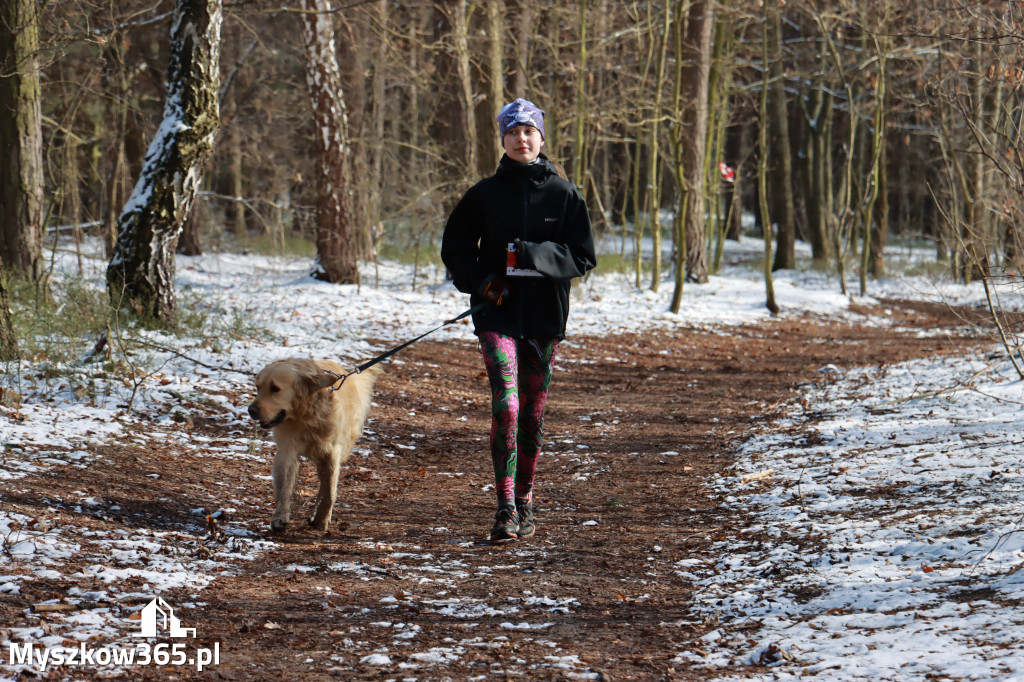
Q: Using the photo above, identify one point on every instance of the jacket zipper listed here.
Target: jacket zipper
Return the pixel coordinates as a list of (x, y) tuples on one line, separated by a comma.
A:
[(523, 231)]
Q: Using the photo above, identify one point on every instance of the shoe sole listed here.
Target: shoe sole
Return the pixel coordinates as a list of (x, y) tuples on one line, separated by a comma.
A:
[(501, 541)]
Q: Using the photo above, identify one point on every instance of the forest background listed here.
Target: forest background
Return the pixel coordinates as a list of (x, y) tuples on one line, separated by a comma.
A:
[(356, 126), (132, 132)]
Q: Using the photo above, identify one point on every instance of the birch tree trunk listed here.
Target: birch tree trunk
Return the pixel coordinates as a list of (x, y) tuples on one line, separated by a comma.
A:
[(21, 140), (336, 238), (141, 269)]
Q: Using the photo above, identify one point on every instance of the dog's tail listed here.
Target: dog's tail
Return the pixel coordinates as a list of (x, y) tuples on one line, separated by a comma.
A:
[(363, 383)]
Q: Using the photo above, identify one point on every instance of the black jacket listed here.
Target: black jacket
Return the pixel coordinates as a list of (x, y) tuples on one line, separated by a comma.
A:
[(529, 202)]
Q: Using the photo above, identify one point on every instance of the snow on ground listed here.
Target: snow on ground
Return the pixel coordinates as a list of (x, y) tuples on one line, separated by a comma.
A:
[(894, 507), (895, 512)]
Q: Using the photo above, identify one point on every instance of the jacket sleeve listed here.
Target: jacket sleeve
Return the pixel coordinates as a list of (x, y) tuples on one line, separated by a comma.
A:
[(572, 255), (460, 246)]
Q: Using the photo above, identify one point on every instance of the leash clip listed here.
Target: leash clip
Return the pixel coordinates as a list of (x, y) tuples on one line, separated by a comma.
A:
[(342, 377)]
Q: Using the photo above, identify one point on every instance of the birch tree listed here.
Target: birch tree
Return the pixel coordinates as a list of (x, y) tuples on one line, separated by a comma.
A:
[(21, 139), (336, 241), (141, 269)]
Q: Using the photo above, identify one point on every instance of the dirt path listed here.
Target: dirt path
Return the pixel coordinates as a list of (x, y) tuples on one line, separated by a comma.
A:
[(403, 585)]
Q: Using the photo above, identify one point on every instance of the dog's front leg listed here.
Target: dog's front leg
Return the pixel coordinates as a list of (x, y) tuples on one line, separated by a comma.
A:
[(327, 470), (284, 471)]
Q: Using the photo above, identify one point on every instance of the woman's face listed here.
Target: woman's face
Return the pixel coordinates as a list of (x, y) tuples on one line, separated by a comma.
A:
[(522, 143)]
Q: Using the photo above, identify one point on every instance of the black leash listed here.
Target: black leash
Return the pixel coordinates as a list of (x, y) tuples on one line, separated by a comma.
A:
[(388, 353)]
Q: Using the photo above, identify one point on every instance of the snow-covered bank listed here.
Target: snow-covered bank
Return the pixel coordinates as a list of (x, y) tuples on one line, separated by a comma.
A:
[(894, 520)]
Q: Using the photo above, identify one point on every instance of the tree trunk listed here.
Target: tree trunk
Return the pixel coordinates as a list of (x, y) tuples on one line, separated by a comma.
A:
[(8, 341), (522, 31), (190, 242), (141, 270), (448, 123), (490, 144), (460, 45), (639, 217), (783, 212), (579, 137), (336, 236), (600, 152), (654, 179), (842, 209), (976, 238), (762, 163), (816, 111), (360, 191), (880, 231), (551, 83), (696, 53), (21, 140), (720, 82), (376, 174), (737, 148), (238, 224), (114, 135)]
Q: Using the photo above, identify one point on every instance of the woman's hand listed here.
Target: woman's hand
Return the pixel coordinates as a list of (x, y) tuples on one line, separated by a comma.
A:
[(495, 289)]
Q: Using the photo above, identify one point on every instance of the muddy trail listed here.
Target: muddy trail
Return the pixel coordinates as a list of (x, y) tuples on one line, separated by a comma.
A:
[(404, 584)]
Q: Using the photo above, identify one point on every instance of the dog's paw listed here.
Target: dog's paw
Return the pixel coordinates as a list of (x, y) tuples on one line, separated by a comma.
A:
[(278, 525), (319, 525)]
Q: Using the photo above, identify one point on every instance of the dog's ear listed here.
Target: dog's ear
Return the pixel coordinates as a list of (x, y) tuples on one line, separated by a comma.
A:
[(322, 380)]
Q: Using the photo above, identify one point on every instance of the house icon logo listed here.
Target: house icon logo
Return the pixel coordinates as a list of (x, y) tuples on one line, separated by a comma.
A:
[(158, 615)]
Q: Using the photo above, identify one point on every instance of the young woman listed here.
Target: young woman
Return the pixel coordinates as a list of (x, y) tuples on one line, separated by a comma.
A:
[(515, 240)]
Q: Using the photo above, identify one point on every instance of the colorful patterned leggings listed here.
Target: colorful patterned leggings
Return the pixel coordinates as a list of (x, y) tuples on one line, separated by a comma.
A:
[(519, 371)]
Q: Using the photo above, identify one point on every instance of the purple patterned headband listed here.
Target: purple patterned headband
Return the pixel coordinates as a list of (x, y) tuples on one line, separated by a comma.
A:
[(520, 113)]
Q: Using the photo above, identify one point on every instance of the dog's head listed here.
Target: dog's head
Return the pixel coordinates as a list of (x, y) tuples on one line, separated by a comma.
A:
[(285, 388)]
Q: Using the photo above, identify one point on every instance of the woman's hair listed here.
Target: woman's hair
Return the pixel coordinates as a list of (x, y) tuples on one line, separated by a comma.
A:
[(558, 168)]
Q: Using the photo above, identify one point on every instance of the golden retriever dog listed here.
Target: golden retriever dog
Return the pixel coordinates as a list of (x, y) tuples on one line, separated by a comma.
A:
[(314, 415)]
